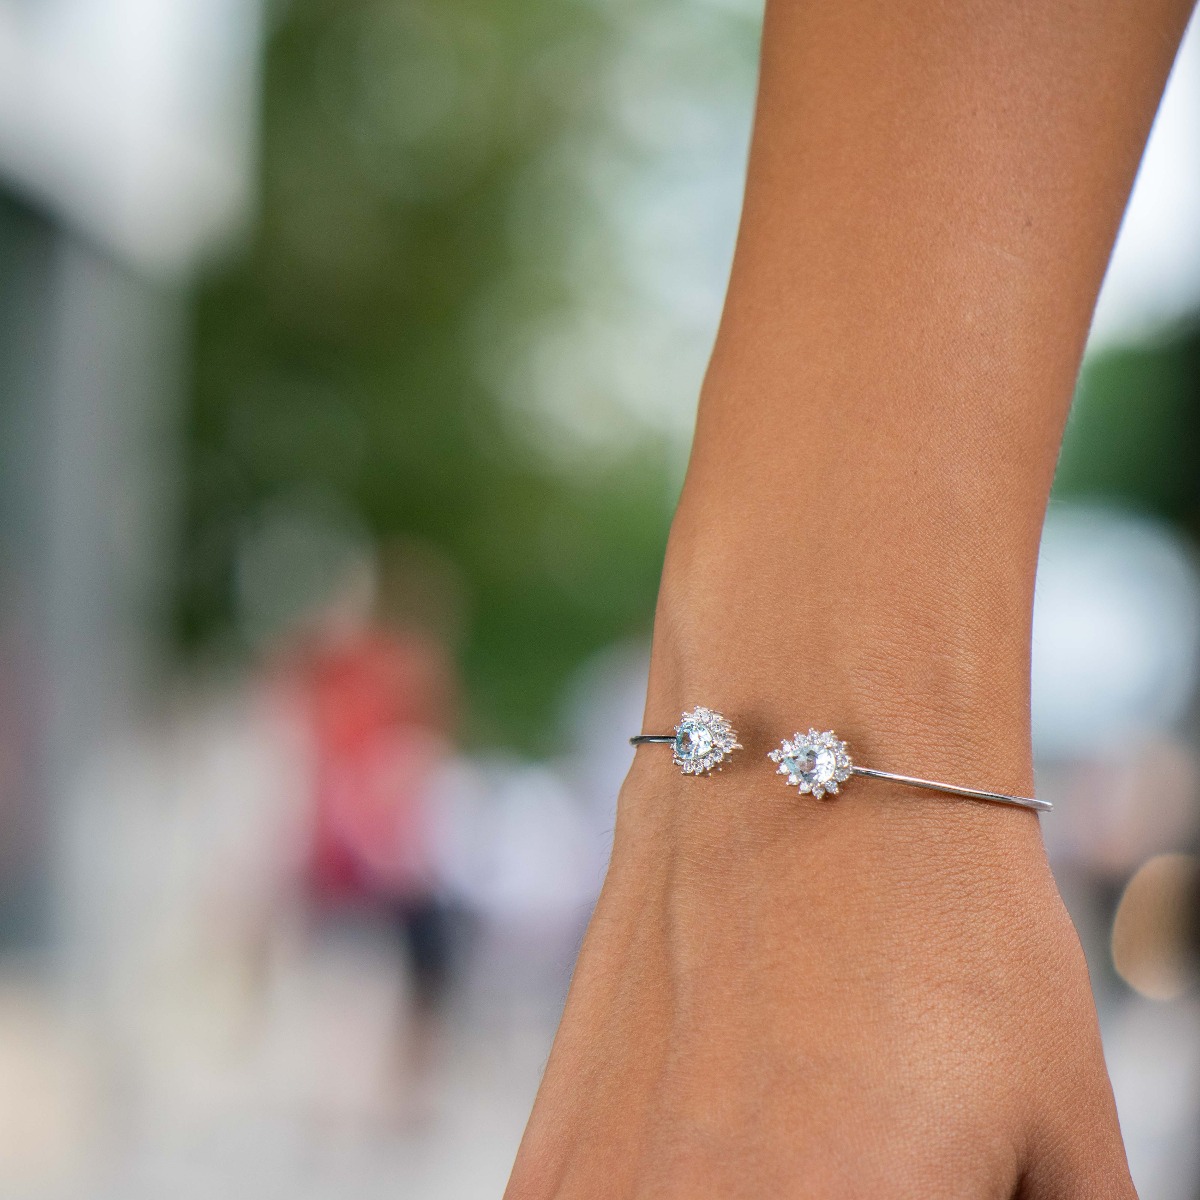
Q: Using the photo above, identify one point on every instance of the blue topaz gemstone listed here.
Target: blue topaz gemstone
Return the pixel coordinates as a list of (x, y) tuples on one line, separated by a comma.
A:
[(703, 740), (813, 766), (693, 741), (814, 762)]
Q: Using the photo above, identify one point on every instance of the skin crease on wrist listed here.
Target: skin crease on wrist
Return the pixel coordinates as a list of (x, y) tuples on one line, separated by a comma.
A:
[(876, 995)]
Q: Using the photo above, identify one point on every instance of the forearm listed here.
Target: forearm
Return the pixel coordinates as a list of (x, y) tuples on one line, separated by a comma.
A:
[(932, 197), (879, 996)]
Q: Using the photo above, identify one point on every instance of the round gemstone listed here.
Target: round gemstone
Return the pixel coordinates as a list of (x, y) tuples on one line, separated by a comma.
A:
[(813, 765), (693, 741)]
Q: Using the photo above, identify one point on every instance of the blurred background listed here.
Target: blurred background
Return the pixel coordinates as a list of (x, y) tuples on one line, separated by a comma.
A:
[(348, 359)]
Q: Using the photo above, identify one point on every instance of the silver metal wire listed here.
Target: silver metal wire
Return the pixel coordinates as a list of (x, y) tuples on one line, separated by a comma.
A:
[(954, 790)]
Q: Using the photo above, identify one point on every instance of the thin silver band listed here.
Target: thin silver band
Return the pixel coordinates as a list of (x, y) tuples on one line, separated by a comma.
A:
[(929, 785), (973, 793)]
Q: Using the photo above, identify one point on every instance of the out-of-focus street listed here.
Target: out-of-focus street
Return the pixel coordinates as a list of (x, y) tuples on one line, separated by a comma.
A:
[(348, 362)]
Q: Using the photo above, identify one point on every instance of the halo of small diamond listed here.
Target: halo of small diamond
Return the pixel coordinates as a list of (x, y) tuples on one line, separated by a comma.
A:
[(814, 762), (703, 740)]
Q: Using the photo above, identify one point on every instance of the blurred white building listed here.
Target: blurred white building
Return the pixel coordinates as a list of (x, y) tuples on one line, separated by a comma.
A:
[(127, 143)]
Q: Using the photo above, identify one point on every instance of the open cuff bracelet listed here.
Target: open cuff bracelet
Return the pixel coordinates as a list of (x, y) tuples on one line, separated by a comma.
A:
[(816, 763)]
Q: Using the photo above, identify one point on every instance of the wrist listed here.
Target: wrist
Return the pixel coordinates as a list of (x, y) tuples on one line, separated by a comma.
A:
[(710, 850), (815, 619)]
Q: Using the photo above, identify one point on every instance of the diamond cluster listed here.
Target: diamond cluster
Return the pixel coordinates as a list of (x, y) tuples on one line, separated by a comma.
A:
[(814, 762), (703, 739)]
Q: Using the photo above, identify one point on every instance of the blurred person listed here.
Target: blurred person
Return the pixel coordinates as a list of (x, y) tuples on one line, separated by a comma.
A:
[(377, 701), (880, 995)]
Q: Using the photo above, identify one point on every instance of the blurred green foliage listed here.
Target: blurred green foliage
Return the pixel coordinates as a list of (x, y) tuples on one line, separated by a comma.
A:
[(1133, 438), (342, 358)]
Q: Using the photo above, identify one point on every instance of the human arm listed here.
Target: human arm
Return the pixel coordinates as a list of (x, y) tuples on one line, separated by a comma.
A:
[(881, 994)]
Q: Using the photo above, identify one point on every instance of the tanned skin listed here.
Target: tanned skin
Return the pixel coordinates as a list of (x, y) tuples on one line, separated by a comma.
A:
[(877, 995)]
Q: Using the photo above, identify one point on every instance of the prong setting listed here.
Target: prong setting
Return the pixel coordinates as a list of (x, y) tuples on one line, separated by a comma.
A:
[(703, 740), (814, 762)]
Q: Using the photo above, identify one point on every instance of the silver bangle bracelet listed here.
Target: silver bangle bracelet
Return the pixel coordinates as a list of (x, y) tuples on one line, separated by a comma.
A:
[(816, 762)]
